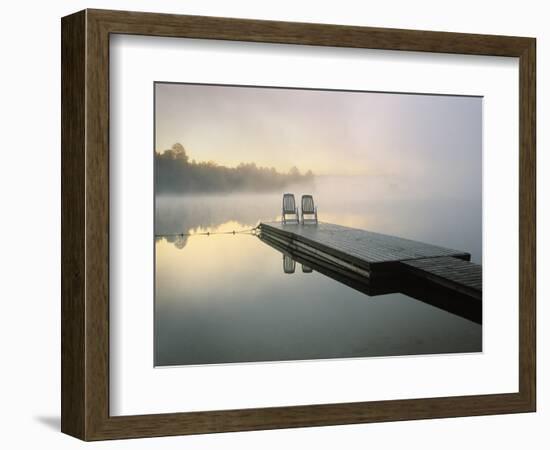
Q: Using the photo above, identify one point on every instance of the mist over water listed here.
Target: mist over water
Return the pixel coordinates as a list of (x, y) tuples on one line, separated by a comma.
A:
[(225, 298)]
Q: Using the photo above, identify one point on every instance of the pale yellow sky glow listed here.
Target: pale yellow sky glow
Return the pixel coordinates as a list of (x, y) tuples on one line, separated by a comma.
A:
[(328, 132)]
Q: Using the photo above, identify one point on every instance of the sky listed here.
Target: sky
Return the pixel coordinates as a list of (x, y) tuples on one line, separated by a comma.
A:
[(328, 132)]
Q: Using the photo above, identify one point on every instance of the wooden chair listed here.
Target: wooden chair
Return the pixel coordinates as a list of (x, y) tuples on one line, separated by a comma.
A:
[(289, 208), (309, 208)]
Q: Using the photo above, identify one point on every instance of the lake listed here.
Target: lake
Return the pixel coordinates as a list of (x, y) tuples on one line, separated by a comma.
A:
[(225, 298)]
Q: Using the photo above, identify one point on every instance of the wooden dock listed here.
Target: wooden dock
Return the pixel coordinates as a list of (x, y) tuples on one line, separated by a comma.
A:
[(376, 263)]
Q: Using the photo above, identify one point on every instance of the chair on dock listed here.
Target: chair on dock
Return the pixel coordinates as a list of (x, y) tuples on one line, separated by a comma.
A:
[(289, 208), (309, 208)]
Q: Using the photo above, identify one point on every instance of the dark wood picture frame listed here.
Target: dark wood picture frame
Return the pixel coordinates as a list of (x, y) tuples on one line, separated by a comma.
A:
[(85, 224)]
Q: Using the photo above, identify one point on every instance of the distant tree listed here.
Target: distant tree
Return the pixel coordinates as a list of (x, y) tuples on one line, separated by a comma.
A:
[(176, 152), (294, 172)]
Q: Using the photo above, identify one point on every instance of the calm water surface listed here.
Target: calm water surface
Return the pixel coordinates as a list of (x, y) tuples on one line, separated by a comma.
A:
[(226, 298)]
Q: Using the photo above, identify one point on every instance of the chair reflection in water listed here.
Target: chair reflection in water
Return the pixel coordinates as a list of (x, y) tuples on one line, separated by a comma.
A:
[(289, 265), (290, 208)]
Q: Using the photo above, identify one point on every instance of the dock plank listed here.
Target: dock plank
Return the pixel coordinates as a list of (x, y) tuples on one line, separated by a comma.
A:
[(451, 272)]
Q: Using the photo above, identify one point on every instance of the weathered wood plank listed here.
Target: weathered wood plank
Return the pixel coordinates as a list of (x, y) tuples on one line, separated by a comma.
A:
[(450, 272)]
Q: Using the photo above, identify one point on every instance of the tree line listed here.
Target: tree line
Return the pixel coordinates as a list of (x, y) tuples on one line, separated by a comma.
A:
[(175, 173)]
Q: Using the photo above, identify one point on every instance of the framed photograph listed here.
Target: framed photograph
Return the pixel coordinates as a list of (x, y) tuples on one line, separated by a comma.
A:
[(273, 224)]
